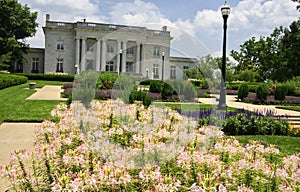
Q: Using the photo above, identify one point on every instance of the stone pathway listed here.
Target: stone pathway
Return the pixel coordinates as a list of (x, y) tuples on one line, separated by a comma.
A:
[(14, 136), (231, 101), (48, 92)]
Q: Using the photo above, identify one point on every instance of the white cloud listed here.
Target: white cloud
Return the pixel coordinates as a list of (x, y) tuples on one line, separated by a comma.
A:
[(262, 15), (247, 18)]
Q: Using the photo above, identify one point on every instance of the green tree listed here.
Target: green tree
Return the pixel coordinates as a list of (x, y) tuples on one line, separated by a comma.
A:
[(290, 48), (207, 65), (193, 73), (273, 57), (16, 24)]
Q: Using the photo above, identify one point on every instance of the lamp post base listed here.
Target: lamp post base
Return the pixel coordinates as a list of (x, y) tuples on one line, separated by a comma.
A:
[(222, 107)]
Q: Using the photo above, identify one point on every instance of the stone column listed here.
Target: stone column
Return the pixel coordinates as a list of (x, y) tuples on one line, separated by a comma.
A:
[(119, 48), (142, 62), (137, 63), (124, 56), (83, 52), (77, 56), (98, 56), (103, 55)]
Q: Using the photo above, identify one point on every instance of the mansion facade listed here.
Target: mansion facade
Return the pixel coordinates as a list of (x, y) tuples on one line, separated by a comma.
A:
[(73, 48)]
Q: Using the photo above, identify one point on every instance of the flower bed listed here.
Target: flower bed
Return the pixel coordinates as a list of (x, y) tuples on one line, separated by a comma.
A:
[(117, 147), (271, 100)]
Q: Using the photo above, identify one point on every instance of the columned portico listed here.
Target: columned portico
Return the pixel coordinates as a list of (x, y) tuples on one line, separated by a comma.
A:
[(84, 45)]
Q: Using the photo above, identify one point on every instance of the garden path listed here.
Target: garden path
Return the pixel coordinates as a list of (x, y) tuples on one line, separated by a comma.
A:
[(14, 136), (232, 102), (48, 92)]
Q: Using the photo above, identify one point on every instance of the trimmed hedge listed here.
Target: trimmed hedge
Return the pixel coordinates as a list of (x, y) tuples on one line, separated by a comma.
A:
[(251, 85), (8, 80), (50, 77)]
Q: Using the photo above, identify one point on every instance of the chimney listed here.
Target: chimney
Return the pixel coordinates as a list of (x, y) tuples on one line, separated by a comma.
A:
[(47, 17), (164, 28)]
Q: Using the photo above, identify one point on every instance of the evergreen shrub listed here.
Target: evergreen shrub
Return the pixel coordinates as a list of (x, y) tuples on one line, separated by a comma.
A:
[(243, 91), (280, 92), (262, 92)]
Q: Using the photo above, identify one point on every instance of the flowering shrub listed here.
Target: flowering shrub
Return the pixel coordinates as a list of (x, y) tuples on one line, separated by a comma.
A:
[(117, 147)]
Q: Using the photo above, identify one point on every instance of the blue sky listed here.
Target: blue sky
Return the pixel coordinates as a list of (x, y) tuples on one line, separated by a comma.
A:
[(196, 25)]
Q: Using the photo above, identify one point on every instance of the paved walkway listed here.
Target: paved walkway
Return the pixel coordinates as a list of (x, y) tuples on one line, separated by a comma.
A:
[(48, 92), (232, 102), (17, 136), (14, 136)]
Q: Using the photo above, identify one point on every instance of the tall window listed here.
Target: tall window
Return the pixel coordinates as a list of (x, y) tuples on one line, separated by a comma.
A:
[(110, 48), (19, 68), (156, 51), (59, 65), (130, 50), (35, 65), (155, 71), (60, 45), (173, 72), (129, 66), (109, 66)]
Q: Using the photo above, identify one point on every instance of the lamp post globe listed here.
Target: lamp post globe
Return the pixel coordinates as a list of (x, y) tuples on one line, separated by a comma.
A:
[(225, 10)]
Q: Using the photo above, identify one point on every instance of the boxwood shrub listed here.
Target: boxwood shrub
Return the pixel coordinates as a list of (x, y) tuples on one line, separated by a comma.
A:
[(51, 77), (8, 80)]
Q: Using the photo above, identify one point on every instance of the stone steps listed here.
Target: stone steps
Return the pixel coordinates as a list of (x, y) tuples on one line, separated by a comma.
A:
[(294, 120)]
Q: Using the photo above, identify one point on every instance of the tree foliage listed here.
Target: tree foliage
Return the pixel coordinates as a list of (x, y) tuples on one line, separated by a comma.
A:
[(298, 6), (193, 73), (273, 57), (16, 24)]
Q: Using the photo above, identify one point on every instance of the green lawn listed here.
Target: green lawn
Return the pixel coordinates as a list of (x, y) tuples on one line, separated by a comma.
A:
[(187, 106), (287, 145), (15, 108), (293, 108)]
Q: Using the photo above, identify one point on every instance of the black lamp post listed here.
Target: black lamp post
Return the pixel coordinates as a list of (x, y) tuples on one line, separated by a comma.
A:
[(163, 65), (120, 65), (225, 10)]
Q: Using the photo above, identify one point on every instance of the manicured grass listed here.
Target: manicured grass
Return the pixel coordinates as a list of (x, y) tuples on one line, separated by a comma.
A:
[(15, 108), (293, 108), (287, 145), (187, 106), (40, 83)]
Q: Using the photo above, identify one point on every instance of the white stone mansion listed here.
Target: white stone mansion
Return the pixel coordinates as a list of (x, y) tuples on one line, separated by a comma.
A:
[(76, 47)]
